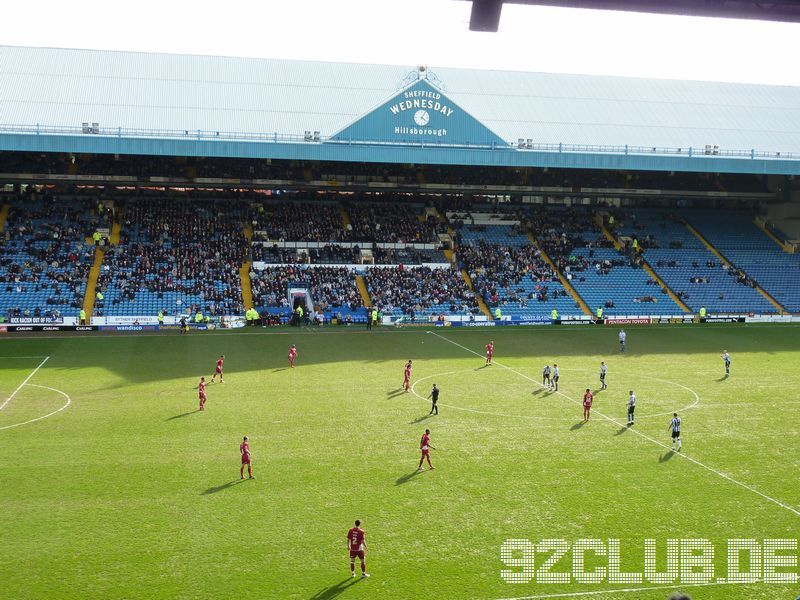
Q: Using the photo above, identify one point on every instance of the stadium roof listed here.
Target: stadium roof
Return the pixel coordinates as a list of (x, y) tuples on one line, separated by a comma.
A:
[(181, 104)]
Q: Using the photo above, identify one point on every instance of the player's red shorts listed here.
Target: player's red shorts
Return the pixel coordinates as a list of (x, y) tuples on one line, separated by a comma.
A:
[(358, 553), (489, 354), (426, 453), (202, 396), (218, 370), (245, 459)]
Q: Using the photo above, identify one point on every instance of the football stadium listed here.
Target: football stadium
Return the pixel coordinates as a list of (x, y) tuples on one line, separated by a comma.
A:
[(295, 329)]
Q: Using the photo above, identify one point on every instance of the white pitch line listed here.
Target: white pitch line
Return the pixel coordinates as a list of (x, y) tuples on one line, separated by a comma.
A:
[(620, 591), (27, 379), (68, 402), (640, 434), (537, 417)]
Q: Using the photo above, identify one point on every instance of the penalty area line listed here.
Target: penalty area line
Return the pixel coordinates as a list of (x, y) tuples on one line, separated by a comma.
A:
[(44, 387), (728, 478), (27, 379)]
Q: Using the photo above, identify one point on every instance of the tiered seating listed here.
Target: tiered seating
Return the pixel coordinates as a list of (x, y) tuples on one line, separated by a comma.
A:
[(297, 221), (694, 273), (749, 249), (45, 260), (604, 277), (176, 256), (407, 256), (505, 235), (390, 222), (333, 289), (399, 290), (513, 276)]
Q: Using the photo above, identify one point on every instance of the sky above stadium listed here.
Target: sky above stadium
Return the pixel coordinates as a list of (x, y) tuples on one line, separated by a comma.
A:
[(411, 32)]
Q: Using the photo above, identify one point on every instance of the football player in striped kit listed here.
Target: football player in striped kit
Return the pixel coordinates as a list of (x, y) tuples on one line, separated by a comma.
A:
[(603, 370), (631, 407), (675, 427)]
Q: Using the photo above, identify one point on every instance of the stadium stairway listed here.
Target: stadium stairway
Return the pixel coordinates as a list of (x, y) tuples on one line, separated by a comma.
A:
[(116, 228), (362, 289), (91, 283), (564, 281), (3, 216), (345, 217), (762, 225), (725, 261), (481, 304), (244, 272), (645, 265)]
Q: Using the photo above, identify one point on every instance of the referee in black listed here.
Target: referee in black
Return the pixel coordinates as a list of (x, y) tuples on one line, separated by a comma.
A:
[(434, 396)]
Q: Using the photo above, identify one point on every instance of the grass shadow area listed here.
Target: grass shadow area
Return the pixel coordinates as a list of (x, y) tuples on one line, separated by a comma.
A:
[(666, 457), (186, 414), (336, 589), (223, 487), (408, 477), (421, 419)]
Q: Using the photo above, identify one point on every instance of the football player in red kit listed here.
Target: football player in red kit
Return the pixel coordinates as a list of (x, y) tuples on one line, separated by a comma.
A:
[(588, 397), (407, 376), (218, 370), (292, 355), (244, 448), (201, 392), (425, 447), (357, 546), (489, 352)]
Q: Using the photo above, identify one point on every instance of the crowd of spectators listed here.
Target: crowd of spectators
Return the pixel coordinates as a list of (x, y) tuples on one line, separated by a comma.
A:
[(387, 222), (497, 273), (45, 260), (330, 287), (175, 247), (297, 221), (419, 289)]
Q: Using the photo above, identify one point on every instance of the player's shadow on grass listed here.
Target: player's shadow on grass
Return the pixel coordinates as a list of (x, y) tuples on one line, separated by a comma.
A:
[(483, 367), (393, 393), (577, 426), (420, 419), (408, 477), (537, 391), (186, 414), (224, 486), (281, 369), (723, 378), (666, 457), (622, 430), (336, 589)]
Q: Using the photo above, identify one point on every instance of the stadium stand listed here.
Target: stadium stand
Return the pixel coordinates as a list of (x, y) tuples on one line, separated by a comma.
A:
[(292, 220), (512, 276), (177, 256), (333, 289), (45, 260), (756, 258), (426, 291), (604, 277), (390, 222), (694, 273)]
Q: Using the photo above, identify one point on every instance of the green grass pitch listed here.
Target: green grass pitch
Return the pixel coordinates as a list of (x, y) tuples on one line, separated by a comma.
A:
[(129, 492)]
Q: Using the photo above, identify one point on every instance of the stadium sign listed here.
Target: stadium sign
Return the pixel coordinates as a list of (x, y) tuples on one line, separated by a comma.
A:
[(36, 320), (628, 320), (419, 113)]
